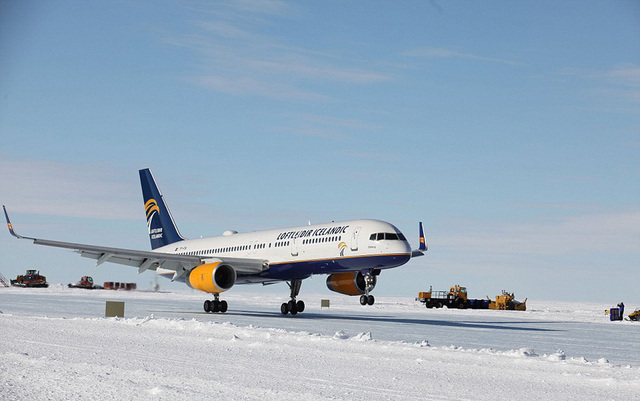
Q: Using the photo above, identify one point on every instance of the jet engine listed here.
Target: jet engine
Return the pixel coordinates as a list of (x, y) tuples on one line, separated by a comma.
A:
[(212, 278), (349, 283)]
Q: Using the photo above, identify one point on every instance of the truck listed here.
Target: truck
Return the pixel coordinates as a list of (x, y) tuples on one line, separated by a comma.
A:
[(32, 279), (456, 297)]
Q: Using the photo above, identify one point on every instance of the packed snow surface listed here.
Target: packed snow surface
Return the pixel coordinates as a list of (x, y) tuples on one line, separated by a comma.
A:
[(55, 344)]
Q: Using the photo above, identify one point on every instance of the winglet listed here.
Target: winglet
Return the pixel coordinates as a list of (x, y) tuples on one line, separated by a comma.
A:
[(423, 242), (6, 216)]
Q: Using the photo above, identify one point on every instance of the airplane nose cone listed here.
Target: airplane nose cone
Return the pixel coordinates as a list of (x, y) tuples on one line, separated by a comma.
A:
[(401, 247)]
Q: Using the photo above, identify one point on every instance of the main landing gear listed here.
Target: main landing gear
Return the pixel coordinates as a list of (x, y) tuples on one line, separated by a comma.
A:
[(216, 305), (367, 300), (294, 307), (369, 284)]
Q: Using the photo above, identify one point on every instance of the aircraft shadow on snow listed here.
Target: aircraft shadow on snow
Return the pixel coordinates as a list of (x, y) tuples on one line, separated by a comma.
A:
[(383, 319)]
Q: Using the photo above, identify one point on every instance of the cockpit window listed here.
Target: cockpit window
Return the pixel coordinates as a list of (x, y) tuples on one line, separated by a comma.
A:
[(387, 236)]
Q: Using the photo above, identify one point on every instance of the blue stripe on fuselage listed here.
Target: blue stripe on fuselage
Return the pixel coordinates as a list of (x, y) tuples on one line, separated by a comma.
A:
[(303, 269)]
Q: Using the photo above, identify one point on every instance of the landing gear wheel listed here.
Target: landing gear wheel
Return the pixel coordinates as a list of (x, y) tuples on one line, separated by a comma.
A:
[(363, 300), (215, 306), (370, 300), (294, 307)]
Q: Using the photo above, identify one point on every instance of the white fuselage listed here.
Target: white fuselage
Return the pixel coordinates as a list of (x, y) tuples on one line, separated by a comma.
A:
[(298, 252)]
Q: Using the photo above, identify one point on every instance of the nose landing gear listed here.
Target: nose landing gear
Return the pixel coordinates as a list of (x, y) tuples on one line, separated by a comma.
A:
[(369, 284)]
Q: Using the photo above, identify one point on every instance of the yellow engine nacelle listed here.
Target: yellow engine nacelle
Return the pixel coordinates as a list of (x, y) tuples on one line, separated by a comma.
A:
[(349, 283), (212, 277)]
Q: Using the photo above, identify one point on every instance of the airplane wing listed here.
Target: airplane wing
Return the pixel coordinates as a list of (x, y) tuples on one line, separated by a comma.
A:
[(145, 260)]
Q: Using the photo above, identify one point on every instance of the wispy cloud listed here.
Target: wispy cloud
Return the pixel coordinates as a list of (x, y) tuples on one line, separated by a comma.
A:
[(238, 56), (619, 84), (246, 85), (625, 81), (305, 67), (86, 190), (309, 130), (436, 52), (327, 127), (611, 233), (377, 156), (625, 75)]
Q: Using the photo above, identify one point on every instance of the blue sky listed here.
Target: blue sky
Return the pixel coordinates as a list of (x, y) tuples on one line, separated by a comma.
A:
[(512, 129)]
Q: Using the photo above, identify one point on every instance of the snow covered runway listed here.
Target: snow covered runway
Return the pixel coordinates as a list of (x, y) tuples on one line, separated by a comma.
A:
[(55, 345)]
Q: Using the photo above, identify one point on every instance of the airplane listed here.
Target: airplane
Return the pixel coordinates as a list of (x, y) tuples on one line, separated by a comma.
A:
[(352, 253)]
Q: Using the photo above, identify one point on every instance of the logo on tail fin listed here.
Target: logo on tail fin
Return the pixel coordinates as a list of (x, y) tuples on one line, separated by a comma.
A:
[(151, 208)]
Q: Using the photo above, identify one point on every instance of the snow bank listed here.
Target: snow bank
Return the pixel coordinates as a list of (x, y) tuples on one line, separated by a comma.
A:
[(175, 359), (54, 345)]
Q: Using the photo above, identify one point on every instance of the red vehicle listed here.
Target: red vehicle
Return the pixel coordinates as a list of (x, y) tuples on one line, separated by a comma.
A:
[(85, 282), (31, 279)]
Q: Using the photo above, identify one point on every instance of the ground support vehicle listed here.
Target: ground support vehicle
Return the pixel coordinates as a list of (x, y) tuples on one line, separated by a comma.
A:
[(111, 285), (507, 301), (31, 279), (456, 297), (85, 282)]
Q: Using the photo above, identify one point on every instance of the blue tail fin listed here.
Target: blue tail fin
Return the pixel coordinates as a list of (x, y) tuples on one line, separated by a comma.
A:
[(162, 229)]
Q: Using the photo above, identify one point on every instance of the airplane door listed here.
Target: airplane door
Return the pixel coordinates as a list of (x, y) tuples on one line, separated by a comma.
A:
[(294, 247), (354, 238)]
